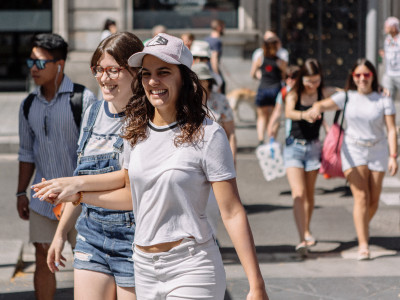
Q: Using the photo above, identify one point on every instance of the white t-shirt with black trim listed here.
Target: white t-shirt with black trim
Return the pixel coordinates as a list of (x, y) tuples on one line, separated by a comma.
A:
[(170, 185)]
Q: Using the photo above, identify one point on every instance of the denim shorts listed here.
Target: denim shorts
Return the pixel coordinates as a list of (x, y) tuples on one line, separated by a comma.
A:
[(187, 271), (104, 243), (305, 156), (267, 97)]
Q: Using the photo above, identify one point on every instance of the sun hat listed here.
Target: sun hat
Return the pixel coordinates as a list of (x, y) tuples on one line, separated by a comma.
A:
[(202, 71), (200, 49), (166, 47)]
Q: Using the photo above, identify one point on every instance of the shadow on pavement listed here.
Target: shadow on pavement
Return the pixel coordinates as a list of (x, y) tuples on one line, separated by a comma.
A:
[(61, 294), (261, 208), (286, 253)]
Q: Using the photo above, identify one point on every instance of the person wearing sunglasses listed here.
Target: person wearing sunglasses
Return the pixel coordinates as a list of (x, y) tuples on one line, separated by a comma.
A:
[(103, 266), (368, 150), (48, 136)]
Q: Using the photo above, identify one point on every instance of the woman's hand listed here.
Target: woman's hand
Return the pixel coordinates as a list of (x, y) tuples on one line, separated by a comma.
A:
[(54, 256), (257, 294), (57, 190), (392, 166), (311, 115)]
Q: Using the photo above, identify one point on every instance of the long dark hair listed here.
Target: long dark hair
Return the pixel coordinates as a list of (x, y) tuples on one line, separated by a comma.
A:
[(351, 85), (311, 67), (189, 107), (120, 46)]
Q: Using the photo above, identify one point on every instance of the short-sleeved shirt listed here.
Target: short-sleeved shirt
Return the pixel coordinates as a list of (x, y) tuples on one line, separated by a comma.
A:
[(392, 55), (364, 114), (170, 184), (220, 108), (215, 44)]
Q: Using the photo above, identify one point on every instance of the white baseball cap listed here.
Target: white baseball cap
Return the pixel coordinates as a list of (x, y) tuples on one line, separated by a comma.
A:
[(166, 47), (200, 49)]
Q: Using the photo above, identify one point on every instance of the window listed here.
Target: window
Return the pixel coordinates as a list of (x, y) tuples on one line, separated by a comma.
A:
[(184, 13)]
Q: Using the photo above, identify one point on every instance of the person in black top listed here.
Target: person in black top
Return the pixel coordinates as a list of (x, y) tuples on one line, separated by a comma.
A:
[(303, 148), (269, 69)]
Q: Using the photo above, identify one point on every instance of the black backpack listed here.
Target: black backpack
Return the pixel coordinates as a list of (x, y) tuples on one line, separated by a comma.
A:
[(75, 100)]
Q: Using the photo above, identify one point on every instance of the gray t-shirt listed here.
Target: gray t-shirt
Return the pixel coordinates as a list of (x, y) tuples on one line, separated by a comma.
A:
[(106, 130), (170, 185), (364, 114)]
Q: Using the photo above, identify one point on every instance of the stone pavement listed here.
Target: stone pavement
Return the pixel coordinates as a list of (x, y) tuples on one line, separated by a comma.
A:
[(330, 272)]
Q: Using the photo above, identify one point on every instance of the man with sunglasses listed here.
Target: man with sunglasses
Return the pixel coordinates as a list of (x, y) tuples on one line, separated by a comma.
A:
[(48, 135)]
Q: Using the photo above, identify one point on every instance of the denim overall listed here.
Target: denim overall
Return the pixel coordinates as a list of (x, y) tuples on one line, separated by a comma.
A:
[(105, 237)]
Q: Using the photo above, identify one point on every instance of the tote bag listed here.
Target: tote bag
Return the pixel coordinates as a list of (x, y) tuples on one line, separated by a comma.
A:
[(331, 163)]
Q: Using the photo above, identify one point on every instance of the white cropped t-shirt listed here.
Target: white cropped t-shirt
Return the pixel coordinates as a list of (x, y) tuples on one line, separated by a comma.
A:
[(170, 185)]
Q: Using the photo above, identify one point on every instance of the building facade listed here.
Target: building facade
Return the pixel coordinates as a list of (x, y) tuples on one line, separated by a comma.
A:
[(331, 31)]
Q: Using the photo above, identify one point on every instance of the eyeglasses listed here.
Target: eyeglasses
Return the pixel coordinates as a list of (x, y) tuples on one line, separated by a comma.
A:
[(40, 63), (366, 75), (112, 72)]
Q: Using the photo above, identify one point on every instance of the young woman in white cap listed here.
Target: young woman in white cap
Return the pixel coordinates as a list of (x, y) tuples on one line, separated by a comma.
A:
[(173, 155)]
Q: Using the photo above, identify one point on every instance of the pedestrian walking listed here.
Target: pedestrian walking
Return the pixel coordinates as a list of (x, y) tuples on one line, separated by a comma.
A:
[(173, 155), (367, 152), (103, 266), (292, 72), (272, 70), (110, 27), (391, 78), (215, 42), (303, 148), (49, 122)]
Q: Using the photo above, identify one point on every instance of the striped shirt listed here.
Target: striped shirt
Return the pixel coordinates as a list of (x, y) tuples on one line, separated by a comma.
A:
[(49, 138)]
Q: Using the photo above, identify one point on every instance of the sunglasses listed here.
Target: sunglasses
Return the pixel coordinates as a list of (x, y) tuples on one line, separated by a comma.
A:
[(40, 63), (365, 75), (291, 77), (112, 72)]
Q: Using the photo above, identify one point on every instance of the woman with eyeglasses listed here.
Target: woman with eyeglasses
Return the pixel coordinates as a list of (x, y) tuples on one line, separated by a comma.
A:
[(173, 154), (303, 148), (103, 266), (367, 150)]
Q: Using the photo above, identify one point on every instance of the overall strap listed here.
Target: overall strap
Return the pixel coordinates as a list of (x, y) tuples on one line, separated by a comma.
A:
[(118, 145), (87, 131)]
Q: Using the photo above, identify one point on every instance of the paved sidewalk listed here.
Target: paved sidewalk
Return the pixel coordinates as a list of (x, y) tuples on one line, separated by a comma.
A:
[(330, 272)]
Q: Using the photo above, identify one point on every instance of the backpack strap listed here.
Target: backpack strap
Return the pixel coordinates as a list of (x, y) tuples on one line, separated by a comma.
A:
[(76, 102), (28, 104)]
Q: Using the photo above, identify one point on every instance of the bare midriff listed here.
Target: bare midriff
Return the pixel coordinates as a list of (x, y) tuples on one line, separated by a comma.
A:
[(163, 247)]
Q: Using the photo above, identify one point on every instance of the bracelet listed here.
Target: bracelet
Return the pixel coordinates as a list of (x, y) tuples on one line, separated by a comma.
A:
[(20, 194), (394, 155), (77, 202)]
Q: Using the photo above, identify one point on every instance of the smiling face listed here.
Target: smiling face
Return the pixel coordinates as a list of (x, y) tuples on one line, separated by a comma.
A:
[(48, 74), (116, 91), (363, 78), (162, 83)]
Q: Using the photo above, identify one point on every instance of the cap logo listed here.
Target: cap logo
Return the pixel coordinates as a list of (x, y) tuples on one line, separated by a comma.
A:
[(159, 40)]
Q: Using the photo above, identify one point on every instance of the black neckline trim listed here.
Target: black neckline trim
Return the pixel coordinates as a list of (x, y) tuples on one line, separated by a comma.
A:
[(169, 127), (110, 114)]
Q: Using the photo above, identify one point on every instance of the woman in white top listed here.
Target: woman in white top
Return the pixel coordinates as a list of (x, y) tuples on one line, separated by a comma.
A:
[(367, 150), (173, 155)]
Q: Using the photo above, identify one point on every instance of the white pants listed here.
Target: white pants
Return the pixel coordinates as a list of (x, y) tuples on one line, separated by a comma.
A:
[(188, 271)]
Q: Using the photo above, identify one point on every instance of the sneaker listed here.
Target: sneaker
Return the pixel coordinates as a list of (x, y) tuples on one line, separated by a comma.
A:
[(302, 250)]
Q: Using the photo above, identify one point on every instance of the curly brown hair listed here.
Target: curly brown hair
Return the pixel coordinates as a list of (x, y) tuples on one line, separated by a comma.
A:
[(190, 109)]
